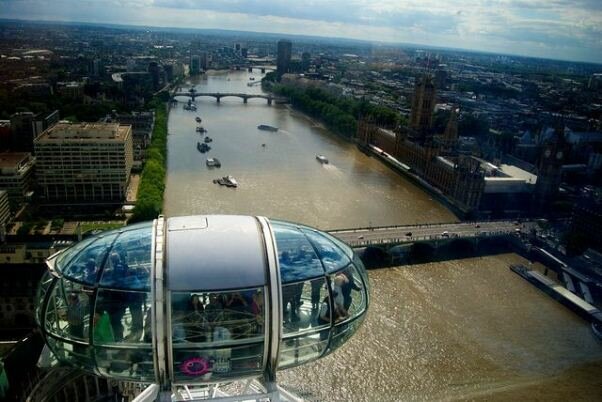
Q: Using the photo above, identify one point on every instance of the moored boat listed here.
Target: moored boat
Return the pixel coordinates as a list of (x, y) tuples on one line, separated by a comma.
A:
[(265, 127), (198, 119), (208, 139), (202, 147), (228, 181), (322, 159), (213, 162)]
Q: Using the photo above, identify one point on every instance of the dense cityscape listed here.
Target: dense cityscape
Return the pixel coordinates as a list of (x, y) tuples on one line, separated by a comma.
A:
[(500, 155)]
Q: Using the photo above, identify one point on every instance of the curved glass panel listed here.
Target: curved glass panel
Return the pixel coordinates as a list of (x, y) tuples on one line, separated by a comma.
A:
[(128, 364), (332, 257), (45, 283), (348, 294), (343, 246), (341, 333), (63, 259), (217, 318), (73, 354), (68, 312), (297, 258), (122, 317), (85, 265), (212, 334), (302, 306), (298, 350), (359, 265), (128, 265)]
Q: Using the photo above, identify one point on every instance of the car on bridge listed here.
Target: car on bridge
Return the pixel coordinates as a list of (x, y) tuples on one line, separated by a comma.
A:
[(409, 234), (445, 234)]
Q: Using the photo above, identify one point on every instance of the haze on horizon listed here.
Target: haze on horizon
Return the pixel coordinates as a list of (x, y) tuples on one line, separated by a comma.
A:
[(557, 29)]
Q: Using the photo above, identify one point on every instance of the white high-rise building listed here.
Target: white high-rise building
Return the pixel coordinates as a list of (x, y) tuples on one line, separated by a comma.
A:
[(84, 163)]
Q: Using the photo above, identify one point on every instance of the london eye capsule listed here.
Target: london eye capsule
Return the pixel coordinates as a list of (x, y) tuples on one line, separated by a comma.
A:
[(201, 299)]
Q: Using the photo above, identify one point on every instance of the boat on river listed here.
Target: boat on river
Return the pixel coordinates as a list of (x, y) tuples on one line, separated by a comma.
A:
[(265, 127), (198, 119), (228, 181), (202, 147), (322, 159), (208, 139), (201, 129), (213, 162)]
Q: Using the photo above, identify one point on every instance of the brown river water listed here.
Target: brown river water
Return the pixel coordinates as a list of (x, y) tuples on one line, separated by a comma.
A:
[(457, 330)]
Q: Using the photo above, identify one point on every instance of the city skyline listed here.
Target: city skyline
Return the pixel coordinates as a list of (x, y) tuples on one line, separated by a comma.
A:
[(559, 29)]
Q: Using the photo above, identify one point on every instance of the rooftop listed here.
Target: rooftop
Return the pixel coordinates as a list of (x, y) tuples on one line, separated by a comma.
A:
[(13, 160), (86, 131)]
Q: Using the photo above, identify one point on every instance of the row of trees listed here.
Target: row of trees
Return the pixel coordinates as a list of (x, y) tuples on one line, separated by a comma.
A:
[(338, 113), (149, 202)]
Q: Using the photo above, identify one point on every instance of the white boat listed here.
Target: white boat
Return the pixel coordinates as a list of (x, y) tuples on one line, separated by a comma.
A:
[(322, 159), (228, 181), (213, 162)]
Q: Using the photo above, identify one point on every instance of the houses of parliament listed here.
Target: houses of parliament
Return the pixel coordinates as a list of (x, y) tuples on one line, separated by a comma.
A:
[(470, 185)]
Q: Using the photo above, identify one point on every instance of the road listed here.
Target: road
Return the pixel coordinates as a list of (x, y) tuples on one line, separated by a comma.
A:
[(412, 233)]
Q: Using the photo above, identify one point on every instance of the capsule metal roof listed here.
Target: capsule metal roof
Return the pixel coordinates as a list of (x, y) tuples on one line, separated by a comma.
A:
[(215, 252)]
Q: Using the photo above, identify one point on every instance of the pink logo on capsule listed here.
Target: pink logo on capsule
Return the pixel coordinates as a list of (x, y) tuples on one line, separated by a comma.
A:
[(195, 366)]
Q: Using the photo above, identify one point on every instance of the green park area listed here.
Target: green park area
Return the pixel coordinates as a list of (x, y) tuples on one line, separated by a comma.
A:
[(149, 203), (339, 114)]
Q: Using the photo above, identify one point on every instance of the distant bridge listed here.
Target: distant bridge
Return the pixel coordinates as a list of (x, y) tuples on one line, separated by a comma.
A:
[(252, 67), (219, 95), (390, 236)]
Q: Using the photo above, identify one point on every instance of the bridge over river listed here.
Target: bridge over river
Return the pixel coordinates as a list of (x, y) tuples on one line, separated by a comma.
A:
[(390, 236), (219, 95)]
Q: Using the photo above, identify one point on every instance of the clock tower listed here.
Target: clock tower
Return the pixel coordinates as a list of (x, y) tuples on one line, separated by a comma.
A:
[(553, 156)]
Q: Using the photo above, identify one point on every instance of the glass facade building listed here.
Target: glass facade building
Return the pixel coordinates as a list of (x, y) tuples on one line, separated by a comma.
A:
[(201, 299)]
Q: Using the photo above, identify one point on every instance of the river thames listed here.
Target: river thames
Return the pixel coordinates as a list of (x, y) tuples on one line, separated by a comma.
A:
[(463, 329)]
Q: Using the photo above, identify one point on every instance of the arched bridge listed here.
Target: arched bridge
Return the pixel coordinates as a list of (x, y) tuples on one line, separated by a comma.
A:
[(389, 236), (219, 95), (252, 67)]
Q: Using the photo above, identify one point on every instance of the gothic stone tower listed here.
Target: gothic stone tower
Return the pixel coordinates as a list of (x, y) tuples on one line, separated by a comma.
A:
[(423, 104), (553, 155)]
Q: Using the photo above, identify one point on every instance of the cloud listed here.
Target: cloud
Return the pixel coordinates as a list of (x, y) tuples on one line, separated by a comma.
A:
[(547, 28)]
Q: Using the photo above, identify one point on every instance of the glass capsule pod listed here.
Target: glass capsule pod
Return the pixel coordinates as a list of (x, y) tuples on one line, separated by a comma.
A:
[(201, 299)]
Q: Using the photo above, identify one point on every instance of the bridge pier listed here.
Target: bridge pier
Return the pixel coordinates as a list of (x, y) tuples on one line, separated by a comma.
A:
[(270, 101), (263, 70), (244, 100), (218, 98), (250, 69)]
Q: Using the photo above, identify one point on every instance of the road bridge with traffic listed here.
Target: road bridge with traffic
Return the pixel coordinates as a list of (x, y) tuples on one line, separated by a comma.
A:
[(390, 236)]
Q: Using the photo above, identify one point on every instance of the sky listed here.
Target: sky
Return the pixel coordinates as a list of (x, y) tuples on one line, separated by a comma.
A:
[(558, 29)]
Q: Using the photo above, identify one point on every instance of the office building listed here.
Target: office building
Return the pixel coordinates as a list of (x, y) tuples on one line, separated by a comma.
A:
[(25, 126), (156, 73), (4, 211), (84, 163), (142, 129), (284, 56), (195, 64), (17, 177), (203, 61)]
